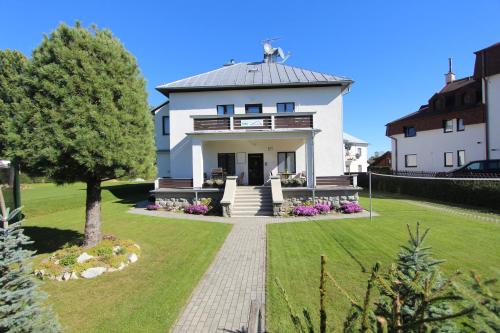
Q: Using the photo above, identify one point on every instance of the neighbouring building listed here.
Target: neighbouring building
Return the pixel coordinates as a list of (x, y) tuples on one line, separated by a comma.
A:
[(382, 162), (250, 121), (459, 124), (356, 154)]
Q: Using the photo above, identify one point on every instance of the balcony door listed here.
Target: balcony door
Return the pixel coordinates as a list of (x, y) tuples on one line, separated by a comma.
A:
[(255, 169)]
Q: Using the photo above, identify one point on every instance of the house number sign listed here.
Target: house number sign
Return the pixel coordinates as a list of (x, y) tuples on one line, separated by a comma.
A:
[(252, 122)]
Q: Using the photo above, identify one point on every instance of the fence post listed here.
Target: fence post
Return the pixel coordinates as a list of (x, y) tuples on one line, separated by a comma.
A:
[(370, 189)]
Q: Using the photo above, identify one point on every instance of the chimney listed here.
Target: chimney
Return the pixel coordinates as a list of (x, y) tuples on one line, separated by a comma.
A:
[(450, 76)]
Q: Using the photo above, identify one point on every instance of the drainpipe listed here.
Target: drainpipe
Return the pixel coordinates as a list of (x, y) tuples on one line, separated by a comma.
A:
[(395, 158), (484, 83)]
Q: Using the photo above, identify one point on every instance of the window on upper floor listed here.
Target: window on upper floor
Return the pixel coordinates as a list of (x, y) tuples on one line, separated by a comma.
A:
[(285, 107), (410, 131), (460, 157), (358, 151), (448, 159), (411, 160), (253, 108), (165, 121), (225, 109), (460, 124), (448, 126)]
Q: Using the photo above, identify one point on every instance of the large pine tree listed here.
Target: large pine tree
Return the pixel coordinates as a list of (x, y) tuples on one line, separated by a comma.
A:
[(89, 118)]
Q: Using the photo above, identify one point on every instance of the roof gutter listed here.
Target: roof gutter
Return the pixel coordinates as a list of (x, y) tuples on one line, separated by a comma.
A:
[(484, 83)]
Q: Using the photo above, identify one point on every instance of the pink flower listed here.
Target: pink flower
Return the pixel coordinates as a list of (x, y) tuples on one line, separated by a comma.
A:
[(196, 209), (351, 207)]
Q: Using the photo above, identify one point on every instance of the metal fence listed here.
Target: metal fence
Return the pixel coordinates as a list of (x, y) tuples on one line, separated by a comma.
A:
[(433, 174)]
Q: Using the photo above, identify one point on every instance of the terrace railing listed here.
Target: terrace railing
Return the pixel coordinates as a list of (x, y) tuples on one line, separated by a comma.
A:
[(261, 121)]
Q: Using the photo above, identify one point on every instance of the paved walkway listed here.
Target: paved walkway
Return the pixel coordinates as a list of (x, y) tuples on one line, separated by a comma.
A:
[(221, 301)]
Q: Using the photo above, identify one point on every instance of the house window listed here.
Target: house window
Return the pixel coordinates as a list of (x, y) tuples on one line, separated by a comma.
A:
[(460, 124), (286, 162), (165, 125), (225, 109), (360, 168), (448, 126), (410, 131), (358, 152), (285, 107), (448, 159), (411, 161), (460, 157), (253, 108), (227, 162)]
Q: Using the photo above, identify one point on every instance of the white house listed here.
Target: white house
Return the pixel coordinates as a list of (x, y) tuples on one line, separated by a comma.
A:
[(459, 124), (356, 154), (251, 121)]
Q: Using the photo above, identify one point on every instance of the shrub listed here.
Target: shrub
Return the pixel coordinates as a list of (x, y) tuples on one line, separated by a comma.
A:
[(219, 182), (322, 208), (351, 207), (68, 260), (303, 210), (153, 207), (196, 209), (210, 182), (104, 251)]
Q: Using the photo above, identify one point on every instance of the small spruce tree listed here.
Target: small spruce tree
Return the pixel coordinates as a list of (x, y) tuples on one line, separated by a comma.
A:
[(21, 302)]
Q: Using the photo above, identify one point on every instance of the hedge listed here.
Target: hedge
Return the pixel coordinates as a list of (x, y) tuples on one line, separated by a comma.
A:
[(483, 193)]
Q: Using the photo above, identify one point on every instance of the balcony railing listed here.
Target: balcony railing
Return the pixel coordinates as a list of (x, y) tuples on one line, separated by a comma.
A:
[(263, 121)]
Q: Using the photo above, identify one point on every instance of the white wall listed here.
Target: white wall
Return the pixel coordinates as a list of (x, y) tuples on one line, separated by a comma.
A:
[(162, 143), (326, 101), (362, 161), (493, 83), (269, 148), (431, 145)]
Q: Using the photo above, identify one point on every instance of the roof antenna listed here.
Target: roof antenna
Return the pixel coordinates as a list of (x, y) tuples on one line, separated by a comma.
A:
[(271, 53), (450, 76)]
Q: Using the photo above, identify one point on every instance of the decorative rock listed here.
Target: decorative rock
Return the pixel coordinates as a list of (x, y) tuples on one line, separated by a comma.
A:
[(73, 276), (66, 276), (122, 266), (132, 258), (59, 278), (112, 269), (83, 258), (117, 249), (93, 272)]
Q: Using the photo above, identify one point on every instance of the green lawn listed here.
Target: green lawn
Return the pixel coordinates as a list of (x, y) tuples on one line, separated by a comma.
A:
[(353, 246), (145, 297)]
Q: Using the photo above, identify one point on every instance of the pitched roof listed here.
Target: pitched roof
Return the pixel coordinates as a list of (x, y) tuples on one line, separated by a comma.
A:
[(252, 75), (457, 84), (352, 139), (158, 107)]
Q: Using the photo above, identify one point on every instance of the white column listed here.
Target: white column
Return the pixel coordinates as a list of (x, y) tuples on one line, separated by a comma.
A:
[(310, 160), (197, 148)]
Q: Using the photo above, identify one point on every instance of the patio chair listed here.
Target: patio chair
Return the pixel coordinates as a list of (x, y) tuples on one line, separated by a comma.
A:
[(217, 173)]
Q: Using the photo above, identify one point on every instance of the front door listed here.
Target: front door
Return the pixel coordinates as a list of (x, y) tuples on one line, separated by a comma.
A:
[(255, 169)]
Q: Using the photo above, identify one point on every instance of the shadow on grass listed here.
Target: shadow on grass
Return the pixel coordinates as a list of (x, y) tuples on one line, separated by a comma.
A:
[(130, 193), (47, 240)]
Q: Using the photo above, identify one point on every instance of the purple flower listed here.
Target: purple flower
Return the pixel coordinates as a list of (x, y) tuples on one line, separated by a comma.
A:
[(351, 207), (305, 211), (196, 209), (153, 207), (322, 208)]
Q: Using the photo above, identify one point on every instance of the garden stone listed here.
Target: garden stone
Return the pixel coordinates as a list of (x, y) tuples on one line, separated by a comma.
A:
[(132, 257), (83, 258), (66, 276), (93, 272), (73, 276), (122, 266), (59, 277), (117, 249)]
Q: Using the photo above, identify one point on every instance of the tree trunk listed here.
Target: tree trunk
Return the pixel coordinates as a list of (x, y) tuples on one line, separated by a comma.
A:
[(93, 213)]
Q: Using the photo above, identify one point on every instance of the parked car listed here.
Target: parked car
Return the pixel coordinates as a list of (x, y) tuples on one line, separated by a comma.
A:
[(477, 167)]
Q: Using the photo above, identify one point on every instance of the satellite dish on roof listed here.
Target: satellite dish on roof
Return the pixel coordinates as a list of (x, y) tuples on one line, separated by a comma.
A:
[(271, 53), (282, 55)]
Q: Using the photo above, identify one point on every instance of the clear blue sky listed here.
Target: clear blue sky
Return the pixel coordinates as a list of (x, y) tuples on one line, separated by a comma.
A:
[(395, 51)]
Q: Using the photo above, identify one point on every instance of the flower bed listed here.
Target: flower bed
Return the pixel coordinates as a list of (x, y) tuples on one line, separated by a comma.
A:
[(311, 210), (76, 262), (199, 209), (351, 207)]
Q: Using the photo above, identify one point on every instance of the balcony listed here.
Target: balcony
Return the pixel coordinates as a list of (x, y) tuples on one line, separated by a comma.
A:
[(261, 121)]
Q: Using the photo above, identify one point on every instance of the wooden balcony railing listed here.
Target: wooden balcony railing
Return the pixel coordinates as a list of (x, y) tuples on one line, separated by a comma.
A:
[(263, 121)]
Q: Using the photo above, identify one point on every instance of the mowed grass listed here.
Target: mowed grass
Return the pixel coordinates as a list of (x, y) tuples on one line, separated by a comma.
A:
[(352, 246), (145, 297)]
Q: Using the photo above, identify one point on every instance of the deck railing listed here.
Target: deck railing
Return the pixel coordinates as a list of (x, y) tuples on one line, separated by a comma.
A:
[(261, 121)]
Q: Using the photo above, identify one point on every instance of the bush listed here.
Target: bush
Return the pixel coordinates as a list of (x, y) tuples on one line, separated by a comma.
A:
[(351, 207), (196, 209), (322, 208), (483, 193), (303, 210), (68, 260)]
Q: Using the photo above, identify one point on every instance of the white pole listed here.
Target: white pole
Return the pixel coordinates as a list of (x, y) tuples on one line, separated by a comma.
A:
[(370, 189)]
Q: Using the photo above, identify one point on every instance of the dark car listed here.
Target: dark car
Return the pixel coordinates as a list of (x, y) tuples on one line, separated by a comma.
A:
[(477, 168)]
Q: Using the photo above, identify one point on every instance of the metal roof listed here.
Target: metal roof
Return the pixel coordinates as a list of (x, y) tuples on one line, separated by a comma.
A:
[(251, 75), (352, 139)]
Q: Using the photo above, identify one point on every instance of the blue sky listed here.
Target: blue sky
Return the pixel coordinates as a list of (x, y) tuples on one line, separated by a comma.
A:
[(395, 51)]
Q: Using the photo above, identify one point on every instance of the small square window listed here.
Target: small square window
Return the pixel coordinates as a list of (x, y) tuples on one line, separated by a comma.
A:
[(165, 125), (411, 161), (460, 157), (410, 131), (285, 107), (460, 124), (448, 126), (448, 159), (225, 109), (253, 108)]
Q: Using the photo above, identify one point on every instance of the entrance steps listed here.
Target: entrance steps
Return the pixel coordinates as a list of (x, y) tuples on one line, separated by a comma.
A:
[(252, 201)]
